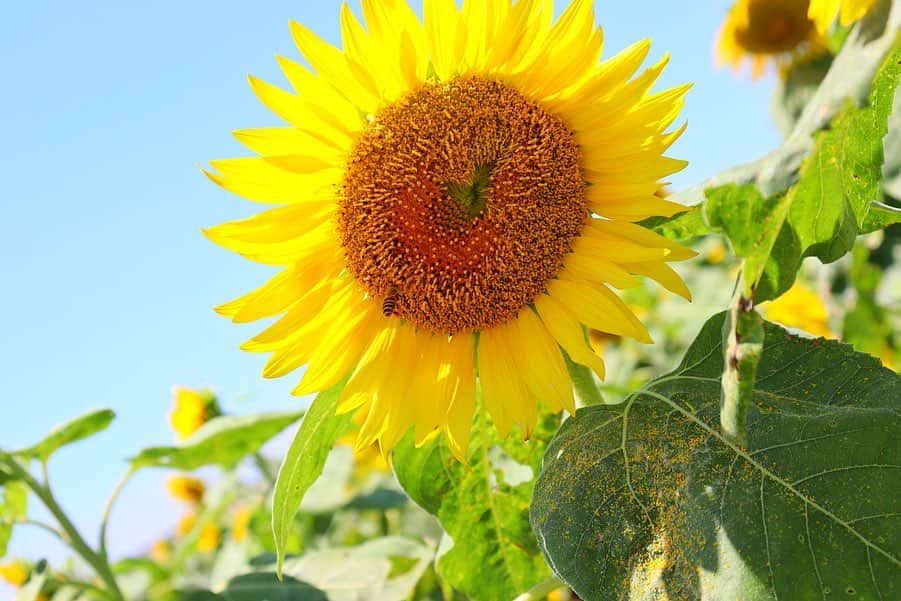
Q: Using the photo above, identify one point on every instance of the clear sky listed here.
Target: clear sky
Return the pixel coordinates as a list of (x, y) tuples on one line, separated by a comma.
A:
[(108, 109)]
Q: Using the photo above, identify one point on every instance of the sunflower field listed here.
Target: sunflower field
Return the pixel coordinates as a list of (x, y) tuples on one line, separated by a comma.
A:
[(531, 367)]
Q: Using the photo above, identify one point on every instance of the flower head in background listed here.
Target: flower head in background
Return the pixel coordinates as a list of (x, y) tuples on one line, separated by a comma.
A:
[(161, 551), (822, 12), (185, 524), (240, 526), (802, 308), (14, 573), (209, 538), (767, 32), (453, 196), (191, 409), (185, 488)]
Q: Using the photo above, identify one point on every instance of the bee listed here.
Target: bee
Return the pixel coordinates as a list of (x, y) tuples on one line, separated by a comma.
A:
[(389, 304)]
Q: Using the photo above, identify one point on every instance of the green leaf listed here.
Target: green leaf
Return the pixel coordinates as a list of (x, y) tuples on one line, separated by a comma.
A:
[(649, 495), (752, 223), (13, 508), (259, 586), (366, 571), (880, 216), (482, 505), (684, 226), (849, 77), (304, 462), (222, 441), (79, 428), (823, 214)]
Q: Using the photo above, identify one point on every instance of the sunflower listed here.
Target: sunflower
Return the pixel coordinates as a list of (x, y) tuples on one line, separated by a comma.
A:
[(191, 409), (14, 573), (457, 199), (767, 31), (822, 12), (802, 308), (185, 488)]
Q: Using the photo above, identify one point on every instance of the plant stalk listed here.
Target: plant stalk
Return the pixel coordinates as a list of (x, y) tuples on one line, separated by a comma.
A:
[(76, 541)]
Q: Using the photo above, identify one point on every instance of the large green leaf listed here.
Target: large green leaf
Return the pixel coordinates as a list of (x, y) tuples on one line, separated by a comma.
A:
[(304, 462), (482, 505), (222, 441), (366, 571), (648, 495), (79, 428)]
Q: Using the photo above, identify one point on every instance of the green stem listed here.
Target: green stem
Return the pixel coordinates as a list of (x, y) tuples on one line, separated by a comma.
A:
[(540, 591), (46, 527), (78, 544), (742, 347), (264, 468), (104, 522), (584, 385)]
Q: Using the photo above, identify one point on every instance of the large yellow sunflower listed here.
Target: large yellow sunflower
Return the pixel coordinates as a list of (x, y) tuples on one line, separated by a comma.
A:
[(822, 12), (457, 199), (766, 32)]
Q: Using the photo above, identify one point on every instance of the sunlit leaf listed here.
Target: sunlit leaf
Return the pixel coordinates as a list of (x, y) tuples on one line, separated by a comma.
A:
[(222, 441), (304, 462), (79, 428), (482, 505), (366, 571)]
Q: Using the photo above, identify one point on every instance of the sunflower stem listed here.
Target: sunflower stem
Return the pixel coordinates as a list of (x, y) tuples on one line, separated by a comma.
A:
[(42, 490), (742, 347)]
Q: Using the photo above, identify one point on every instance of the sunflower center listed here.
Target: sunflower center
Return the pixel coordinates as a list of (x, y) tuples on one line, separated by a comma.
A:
[(775, 26), (459, 202)]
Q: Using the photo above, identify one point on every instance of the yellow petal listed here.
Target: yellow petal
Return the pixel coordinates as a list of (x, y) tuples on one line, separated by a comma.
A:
[(598, 308), (461, 380), (568, 332)]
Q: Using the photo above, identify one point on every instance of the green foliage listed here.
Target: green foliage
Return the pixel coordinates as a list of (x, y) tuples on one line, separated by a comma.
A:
[(482, 505), (880, 216), (257, 586), (13, 509), (304, 462), (374, 570), (823, 213), (224, 441), (650, 495), (77, 429)]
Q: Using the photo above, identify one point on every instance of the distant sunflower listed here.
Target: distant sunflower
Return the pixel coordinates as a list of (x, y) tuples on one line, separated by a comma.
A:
[(191, 409), (767, 32), (822, 12), (458, 197), (800, 307)]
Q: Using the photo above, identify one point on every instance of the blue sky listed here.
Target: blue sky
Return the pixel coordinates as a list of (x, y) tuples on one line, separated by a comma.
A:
[(108, 110)]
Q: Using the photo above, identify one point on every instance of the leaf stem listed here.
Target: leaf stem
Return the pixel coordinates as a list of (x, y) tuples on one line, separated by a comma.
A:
[(44, 526), (540, 591), (104, 522), (74, 538)]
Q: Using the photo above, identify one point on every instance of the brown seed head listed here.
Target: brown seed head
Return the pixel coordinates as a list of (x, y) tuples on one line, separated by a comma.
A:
[(460, 201)]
